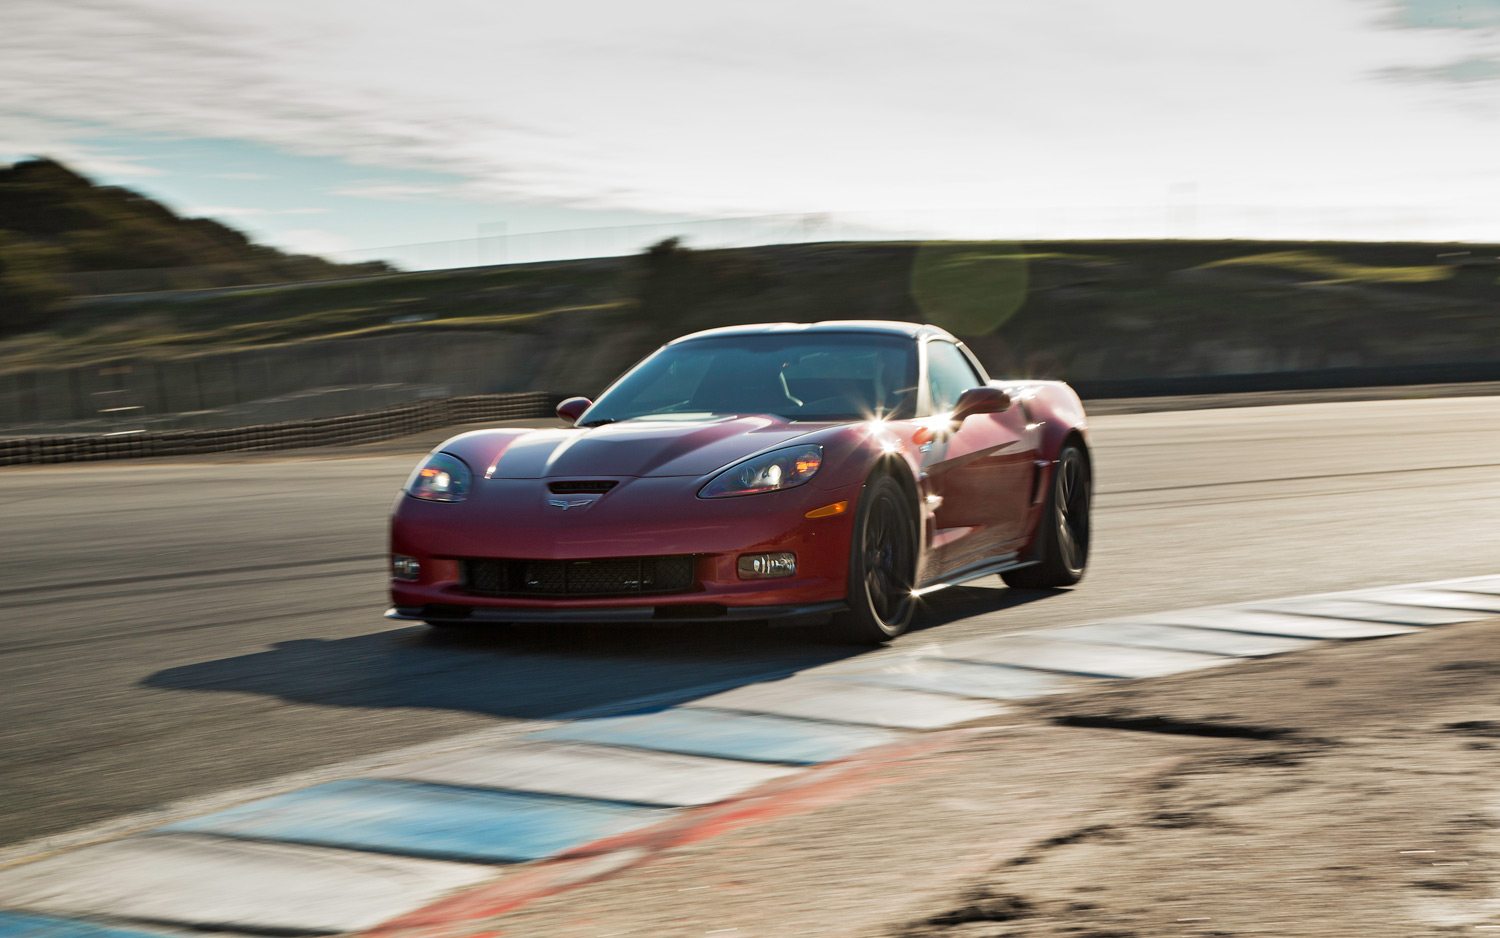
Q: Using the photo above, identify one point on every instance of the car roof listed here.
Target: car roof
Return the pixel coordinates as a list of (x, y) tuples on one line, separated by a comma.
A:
[(913, 330)]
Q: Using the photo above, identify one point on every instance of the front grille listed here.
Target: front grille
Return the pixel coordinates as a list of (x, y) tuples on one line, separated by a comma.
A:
[(616, 576), (581, 486)]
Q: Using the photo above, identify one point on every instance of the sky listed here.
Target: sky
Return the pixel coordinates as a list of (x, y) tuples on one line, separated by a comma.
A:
[(352, 127)]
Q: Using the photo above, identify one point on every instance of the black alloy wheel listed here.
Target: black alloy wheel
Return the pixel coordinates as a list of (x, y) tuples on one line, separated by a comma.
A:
[(882, 565), (1061, 547)]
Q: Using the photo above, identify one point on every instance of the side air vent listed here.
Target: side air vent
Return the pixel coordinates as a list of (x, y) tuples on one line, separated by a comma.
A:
[(581, 486)]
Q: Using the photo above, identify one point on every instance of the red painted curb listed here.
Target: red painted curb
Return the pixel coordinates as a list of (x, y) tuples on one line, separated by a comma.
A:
[(820, 786)]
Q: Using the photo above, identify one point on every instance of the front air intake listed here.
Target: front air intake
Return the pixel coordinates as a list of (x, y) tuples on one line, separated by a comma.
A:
[(614, 576)]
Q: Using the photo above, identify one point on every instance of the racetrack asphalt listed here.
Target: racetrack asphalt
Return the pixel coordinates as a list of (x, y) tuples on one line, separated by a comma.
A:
[(174, 628)]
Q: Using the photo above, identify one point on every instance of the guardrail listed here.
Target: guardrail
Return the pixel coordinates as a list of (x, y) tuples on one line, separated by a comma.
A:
[(1306, 379), (328, 431)]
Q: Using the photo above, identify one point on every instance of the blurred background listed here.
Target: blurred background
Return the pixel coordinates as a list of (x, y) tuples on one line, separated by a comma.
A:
[(217, 217)]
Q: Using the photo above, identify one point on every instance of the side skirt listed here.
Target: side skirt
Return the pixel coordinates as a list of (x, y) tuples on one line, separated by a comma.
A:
[(984, 568)]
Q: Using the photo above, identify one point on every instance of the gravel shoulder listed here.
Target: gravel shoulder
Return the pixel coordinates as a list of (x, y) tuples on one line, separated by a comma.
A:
[(1350, 790)]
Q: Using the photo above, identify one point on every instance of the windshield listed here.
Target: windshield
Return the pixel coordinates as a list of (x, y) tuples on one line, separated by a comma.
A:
[(827, 376)]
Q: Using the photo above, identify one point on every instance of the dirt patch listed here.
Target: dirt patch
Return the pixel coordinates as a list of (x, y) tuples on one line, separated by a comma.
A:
[(1357, 802), (1349, 790)]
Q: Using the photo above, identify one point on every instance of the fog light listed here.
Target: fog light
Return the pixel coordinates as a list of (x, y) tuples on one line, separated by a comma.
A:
[(405, 568), (766, 566)]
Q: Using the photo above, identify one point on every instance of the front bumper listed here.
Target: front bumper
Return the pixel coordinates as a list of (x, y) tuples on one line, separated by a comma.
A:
[(512, 519), (621, 614)]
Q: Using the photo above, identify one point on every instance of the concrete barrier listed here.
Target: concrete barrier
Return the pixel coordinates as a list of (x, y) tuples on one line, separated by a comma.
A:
[(362, 374), (330, 431)]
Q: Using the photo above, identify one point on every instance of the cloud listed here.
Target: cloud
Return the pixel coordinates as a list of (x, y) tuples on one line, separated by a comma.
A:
[(1033, 110), (1468, 57), (239, 177), (1466, 71), (1445, 14), (312, 241), (395, 191), (26, 134), (217, 211)]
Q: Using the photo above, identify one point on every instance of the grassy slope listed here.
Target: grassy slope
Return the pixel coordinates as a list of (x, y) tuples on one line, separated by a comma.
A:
[(1107, 308)]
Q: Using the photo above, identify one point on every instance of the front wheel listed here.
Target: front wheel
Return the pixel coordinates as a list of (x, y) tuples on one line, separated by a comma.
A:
[(1061, 548), (882, 566)]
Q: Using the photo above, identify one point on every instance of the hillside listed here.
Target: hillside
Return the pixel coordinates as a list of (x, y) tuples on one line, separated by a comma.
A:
[(61, 234), (1079, 309), (1115, 317)]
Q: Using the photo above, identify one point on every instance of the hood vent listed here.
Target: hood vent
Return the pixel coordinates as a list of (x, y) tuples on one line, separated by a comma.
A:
[(581, 486)]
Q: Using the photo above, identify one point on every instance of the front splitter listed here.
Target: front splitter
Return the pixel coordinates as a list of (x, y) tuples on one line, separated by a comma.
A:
[(484, 614)]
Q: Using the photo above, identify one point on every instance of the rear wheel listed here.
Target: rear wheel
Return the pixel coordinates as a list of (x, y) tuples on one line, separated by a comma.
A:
[(1062, 538), (882, 566)]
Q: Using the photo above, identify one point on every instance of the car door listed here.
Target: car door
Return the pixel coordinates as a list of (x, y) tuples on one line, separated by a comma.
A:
[(978, 473)]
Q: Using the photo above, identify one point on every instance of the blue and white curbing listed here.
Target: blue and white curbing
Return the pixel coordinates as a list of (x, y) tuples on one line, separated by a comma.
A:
[(352, 853)]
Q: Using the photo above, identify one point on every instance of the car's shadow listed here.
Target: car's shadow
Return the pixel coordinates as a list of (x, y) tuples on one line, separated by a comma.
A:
[(542, 672), (957, 603)]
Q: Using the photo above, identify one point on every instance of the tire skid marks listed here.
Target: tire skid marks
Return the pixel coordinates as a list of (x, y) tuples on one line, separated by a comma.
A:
[(352, 853)]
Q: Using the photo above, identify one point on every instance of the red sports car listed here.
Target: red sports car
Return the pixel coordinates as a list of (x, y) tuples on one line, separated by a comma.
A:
[(827, 472)]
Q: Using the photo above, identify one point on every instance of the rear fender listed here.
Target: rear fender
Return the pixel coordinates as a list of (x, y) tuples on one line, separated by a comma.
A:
[(1053, 408)]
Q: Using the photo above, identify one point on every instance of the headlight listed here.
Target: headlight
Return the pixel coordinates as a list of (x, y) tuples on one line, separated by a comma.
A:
[(440, 478), (768, 472)]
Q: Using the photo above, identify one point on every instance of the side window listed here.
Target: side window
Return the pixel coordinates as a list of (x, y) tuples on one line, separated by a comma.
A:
[(949, 374)]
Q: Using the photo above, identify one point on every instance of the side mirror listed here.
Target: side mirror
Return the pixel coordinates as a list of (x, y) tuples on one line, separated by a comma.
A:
[(571, 409), (980, 401)]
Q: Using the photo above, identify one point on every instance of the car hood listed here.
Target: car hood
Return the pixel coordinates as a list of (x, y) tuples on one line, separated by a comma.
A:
[(633, 448)]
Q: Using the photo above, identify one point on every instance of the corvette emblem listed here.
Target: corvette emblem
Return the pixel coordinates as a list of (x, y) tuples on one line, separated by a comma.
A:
[(566, 503)]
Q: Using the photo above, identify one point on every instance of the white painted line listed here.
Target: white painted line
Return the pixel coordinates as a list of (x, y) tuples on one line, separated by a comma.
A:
[(1488, 589), (1234, 619), (1488, 584), (232, 885), (1485, 582), (1435, 599), (1366, 611), (606, 773), (476, 741), (962, 679), (814, 699), (1181, 638), (1036, 650), (723, 734)]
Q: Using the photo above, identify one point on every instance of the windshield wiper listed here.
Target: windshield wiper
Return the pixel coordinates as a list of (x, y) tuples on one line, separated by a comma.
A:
[(598, 423)]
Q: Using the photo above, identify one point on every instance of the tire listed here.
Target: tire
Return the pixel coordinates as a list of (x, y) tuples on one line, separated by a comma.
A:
[(1061, 548), (882, 566)]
